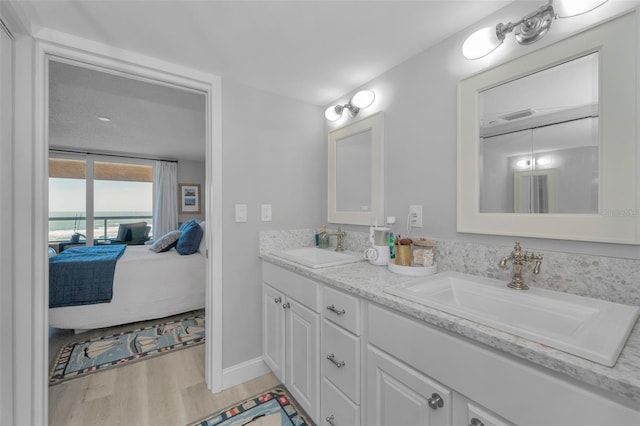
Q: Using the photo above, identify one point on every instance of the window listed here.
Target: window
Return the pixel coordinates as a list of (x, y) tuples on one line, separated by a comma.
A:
[(67, 198), (116, 191)]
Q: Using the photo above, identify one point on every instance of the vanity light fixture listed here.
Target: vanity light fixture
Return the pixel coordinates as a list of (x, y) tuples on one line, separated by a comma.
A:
[(103, 118), (362, 99), (529, 29)]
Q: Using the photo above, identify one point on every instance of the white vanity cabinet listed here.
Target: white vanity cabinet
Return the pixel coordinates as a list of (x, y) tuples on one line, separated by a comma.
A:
[(349, 361), (487, 385), (341, 358), (291, 334)]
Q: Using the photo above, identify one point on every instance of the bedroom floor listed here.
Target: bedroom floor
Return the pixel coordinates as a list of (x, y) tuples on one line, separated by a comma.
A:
[(165, 390)]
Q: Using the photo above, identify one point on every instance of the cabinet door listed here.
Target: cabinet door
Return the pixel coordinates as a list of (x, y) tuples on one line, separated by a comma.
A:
[(273, 330), (303, 348), (400, 395)]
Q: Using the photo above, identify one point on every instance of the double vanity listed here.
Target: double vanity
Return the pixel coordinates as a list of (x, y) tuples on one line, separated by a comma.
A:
[(357, 344)]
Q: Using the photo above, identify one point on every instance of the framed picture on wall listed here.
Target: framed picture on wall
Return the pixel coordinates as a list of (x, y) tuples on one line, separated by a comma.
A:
[(189, 198)]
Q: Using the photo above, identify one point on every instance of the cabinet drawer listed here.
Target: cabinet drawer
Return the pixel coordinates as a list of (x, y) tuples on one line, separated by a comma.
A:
[(337, 409), (341, 308), (479, 416), (293, 285), (343, 369)]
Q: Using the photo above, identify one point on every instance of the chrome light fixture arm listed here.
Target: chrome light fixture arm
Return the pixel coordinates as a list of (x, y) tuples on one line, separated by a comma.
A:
[(362, 99), (529, 29)]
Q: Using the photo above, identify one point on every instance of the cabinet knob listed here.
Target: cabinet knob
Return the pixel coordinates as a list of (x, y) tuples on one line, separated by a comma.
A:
[(286, 305), (277, 299), (435, 401), (476, 422), (330, 420), (333, 309), (338, 364)]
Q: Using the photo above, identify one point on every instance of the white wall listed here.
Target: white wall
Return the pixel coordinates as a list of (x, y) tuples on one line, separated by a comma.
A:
[(419, 99), (274, 153), (6, 217), (193, 172)]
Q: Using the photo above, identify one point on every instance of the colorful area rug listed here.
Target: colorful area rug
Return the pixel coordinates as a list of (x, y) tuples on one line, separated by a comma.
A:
[(90, 356), (272, 408)]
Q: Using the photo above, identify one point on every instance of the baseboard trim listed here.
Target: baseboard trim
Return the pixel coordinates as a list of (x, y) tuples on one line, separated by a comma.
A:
[(243, 372)]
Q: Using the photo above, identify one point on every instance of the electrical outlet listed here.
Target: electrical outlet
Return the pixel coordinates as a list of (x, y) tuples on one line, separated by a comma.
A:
[(415, 216)]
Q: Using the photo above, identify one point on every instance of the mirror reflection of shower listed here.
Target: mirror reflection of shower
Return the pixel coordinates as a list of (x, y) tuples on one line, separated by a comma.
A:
[(539, 142)]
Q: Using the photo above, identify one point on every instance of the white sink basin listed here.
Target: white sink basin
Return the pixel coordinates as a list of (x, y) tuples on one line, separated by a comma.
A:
[(314, 257), (589, 328)]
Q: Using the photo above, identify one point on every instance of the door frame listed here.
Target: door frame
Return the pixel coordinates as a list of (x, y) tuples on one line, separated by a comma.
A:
[(51, 44)]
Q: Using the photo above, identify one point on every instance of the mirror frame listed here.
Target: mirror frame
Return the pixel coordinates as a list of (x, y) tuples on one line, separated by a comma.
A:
[(617, 220), (375, 123)]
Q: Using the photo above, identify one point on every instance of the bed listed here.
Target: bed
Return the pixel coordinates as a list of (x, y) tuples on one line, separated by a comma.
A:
[(146, 285)]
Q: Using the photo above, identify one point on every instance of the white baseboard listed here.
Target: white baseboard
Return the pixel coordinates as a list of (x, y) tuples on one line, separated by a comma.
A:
[(243, 372)]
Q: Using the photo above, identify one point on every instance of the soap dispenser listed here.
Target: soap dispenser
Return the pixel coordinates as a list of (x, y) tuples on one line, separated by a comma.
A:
[(323, 238)]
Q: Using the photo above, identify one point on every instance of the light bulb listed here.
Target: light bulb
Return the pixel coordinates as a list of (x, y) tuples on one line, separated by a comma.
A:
[(363, 99), (481, 43), (569, 8), (332, 114)]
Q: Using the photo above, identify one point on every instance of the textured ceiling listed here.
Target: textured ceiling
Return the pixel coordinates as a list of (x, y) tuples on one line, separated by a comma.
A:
[(314, 51), (146, 119)]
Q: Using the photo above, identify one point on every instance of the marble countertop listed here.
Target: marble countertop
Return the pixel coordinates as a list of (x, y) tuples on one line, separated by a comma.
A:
[(368, 282)]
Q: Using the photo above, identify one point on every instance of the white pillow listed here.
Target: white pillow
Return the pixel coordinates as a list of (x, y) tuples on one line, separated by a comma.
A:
[(203, 242), (166, 242)]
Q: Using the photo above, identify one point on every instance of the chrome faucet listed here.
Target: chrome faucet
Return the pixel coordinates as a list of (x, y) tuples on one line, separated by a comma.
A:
[(518, 258), (340, 239)]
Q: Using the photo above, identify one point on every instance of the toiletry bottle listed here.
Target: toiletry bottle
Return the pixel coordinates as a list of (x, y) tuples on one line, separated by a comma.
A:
[(392, 245), (323, 239)]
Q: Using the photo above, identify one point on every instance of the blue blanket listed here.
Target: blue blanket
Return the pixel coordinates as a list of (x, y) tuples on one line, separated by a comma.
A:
[(83, 275)]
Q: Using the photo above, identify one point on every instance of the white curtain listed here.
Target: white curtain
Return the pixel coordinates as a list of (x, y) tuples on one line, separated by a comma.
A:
[(165, 211)]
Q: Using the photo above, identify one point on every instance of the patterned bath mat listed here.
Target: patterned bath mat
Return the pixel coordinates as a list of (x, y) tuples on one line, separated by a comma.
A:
[(90, 356), (272, 408)]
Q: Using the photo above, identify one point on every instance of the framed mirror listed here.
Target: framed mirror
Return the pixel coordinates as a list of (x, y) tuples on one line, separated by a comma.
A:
[(547, 143), (356, 172)]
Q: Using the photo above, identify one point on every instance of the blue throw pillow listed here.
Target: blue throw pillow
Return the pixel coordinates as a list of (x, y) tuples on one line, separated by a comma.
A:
[(185, 225), (189, 240)]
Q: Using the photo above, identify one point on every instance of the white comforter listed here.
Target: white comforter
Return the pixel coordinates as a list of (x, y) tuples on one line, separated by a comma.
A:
[(146, 285)]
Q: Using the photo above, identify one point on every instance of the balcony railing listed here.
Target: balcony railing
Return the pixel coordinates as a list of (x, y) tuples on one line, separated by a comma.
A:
[(64, 233)]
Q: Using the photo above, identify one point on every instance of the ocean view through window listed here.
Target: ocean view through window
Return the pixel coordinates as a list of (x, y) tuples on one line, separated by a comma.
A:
[(122, 192)]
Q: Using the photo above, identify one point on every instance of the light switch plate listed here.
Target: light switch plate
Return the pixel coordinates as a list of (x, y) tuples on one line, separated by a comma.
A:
[(241, 212), (266, 212), (415, 212)]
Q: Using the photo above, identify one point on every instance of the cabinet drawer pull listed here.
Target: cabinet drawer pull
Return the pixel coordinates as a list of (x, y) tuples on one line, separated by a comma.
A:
[(476, 422), (286, 305), (338, 364), (333, 309), (330, 420), (277, 299), (435, 401)]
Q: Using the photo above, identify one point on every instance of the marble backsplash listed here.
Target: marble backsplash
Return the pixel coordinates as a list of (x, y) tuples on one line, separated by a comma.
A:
[(608, 278)]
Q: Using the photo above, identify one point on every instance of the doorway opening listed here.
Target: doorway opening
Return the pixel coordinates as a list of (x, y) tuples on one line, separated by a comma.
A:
[(165, 75)]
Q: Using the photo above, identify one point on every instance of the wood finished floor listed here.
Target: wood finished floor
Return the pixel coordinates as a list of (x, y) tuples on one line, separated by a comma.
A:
[(166, 390)]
